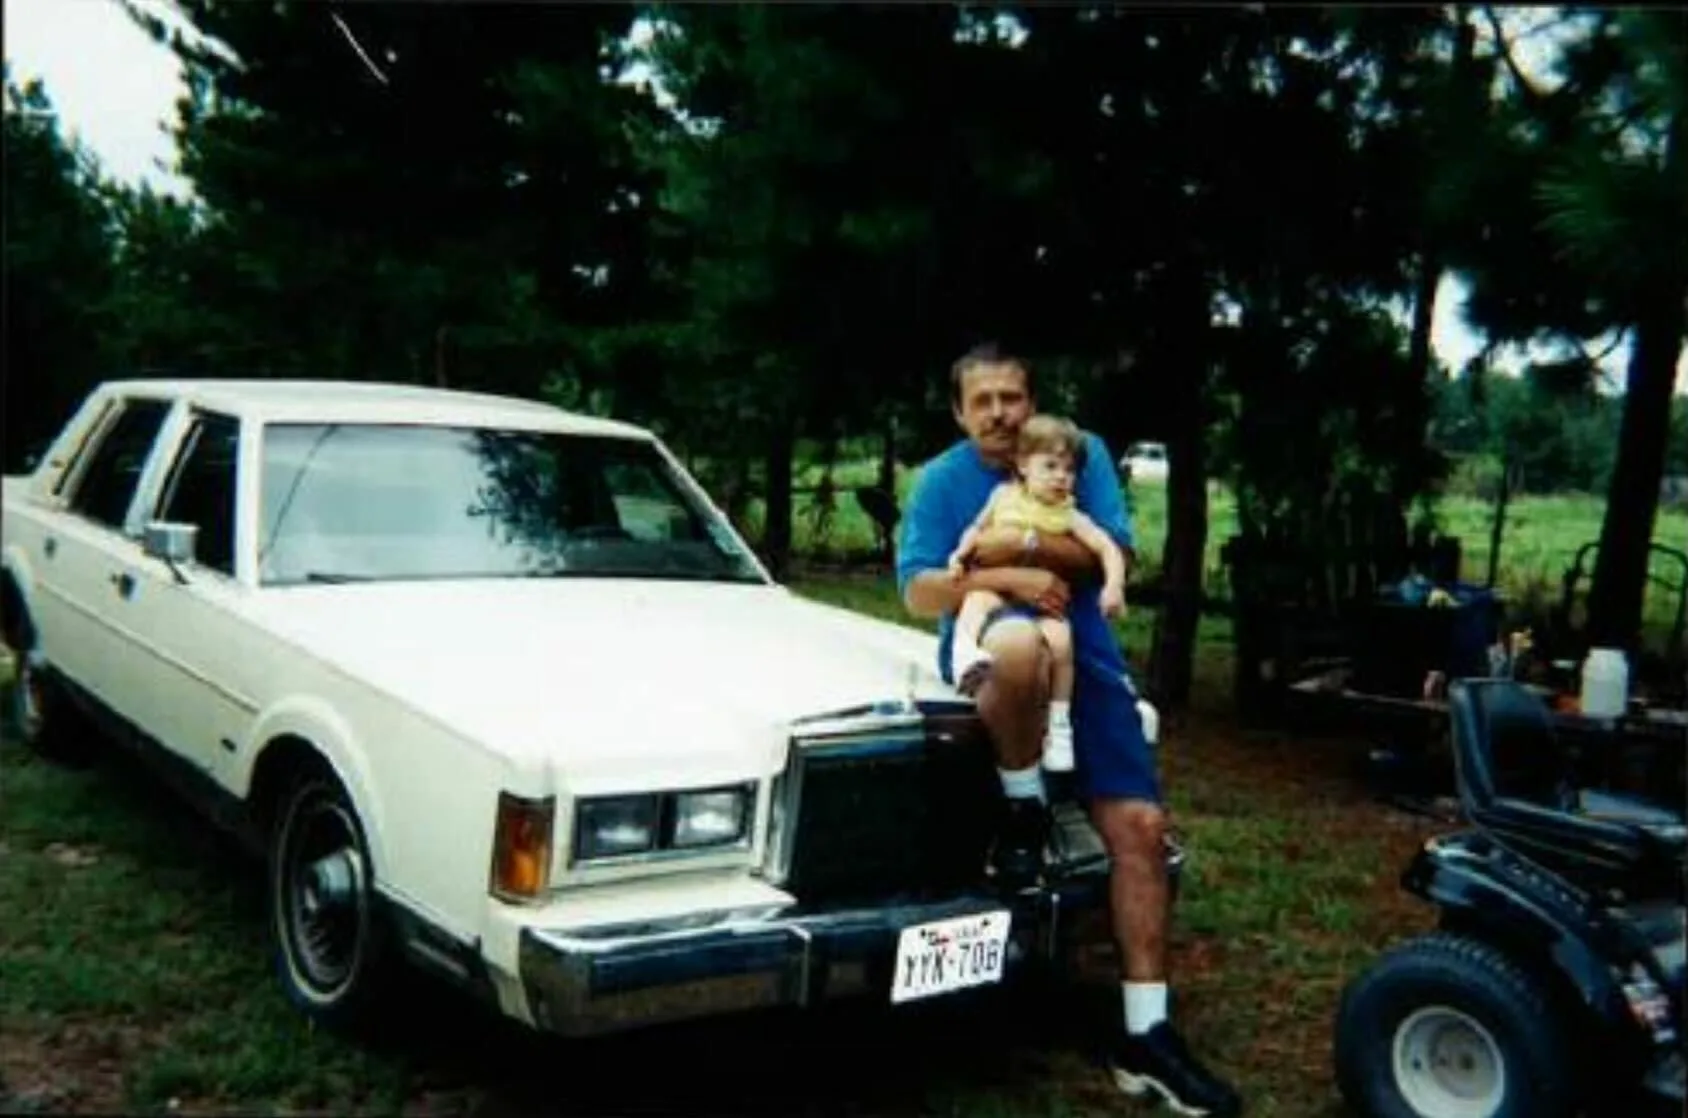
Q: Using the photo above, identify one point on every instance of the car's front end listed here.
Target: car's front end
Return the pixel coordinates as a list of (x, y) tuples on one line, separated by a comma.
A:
[(866, 877), (614, 771)]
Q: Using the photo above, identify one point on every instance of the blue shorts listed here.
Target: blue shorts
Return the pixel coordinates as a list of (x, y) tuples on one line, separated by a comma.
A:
[(1113, 759)]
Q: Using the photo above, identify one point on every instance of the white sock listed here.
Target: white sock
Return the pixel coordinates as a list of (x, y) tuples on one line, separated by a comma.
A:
[(1060, 713), (1145, 1006), (1023, 783)]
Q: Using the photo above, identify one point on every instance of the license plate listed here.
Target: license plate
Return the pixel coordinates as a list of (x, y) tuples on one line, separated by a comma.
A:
[(949, 955)]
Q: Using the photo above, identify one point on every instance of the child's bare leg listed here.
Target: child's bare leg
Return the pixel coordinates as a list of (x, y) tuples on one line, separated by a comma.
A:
[(969, 662), (1058, 738)]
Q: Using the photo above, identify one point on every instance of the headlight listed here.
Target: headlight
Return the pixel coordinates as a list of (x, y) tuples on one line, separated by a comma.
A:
[(710, 818), (608, 827)]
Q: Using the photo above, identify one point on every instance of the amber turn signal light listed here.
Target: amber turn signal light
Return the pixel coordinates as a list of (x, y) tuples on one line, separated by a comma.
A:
[(521, 847)]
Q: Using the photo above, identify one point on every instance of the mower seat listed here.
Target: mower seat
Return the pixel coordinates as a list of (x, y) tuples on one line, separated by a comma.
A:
[(1515, 782)]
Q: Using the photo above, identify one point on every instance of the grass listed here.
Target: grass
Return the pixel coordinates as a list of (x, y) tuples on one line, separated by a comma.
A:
[(1539, 543), (135, 959), (136, 972)]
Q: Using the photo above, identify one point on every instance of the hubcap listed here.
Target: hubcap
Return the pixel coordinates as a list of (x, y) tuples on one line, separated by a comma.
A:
[(324, 896), (1447, 1065)]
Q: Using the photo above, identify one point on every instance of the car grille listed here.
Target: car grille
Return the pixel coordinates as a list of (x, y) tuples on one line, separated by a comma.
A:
[(882, 810)]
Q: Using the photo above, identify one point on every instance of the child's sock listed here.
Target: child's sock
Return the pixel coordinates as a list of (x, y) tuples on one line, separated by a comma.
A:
[(1145, 1006), (1058, 740), (1022, 784)]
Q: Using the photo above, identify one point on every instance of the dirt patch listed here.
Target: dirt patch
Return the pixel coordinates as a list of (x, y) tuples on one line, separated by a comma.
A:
[(74, 1067)]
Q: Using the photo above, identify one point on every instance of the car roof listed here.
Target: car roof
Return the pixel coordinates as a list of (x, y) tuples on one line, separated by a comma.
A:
[(330, 401)]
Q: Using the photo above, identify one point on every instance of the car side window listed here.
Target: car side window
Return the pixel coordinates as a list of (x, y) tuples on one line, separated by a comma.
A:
[(107, 485), (202, 487)]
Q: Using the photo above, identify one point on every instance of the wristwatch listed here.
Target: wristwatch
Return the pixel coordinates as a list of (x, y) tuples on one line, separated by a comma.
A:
[(1029, 543)]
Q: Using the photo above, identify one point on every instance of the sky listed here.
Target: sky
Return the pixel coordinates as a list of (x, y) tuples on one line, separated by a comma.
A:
[(114, 89)]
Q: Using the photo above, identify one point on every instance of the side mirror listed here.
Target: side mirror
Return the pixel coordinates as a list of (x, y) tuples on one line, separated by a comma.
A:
[(170, 541), (35, 455)]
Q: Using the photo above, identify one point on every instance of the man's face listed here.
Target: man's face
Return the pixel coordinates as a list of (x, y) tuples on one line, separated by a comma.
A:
[(994, 403)]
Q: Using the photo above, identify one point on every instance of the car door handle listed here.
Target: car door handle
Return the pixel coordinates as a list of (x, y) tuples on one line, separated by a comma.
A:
[(125, 583), (49, 547)]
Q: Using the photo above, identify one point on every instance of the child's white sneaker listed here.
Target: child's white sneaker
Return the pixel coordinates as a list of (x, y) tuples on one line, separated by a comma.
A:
[(1058, 745)]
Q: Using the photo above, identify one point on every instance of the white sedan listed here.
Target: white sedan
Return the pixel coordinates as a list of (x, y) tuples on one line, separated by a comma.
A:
[(1145, 463), (495, 689)]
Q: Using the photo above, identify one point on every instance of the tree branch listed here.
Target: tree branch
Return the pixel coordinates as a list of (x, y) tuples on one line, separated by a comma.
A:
[(369, 63), (1504, 48)]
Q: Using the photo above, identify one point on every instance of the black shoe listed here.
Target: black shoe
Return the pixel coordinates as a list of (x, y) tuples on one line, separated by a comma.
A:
[(1157, 1065), (1017, 857)]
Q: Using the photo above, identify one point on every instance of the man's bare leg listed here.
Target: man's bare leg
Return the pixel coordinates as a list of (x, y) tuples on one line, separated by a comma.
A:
[(1152, 1061), (1134, 832), (1011, 703)]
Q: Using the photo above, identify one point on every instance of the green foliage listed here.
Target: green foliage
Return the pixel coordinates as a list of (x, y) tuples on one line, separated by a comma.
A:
[(58, 271)]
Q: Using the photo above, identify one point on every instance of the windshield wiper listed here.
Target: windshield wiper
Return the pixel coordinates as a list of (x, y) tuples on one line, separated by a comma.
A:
[(333, 578)]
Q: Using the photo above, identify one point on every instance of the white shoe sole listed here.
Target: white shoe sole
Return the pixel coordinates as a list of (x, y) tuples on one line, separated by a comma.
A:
[(970, 668), (1139, 1086)]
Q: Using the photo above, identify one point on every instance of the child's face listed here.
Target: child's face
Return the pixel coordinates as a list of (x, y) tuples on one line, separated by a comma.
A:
[(1048, 475)]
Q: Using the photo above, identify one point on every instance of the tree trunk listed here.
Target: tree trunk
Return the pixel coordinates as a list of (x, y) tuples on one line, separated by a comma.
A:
[(1424, 311), (888, 486), (1183, 353), (776, 520), (1632, 501), (1172, 665), (441, 380)]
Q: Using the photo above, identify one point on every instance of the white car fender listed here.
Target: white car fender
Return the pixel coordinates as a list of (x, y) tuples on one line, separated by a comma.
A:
[(314, 721)]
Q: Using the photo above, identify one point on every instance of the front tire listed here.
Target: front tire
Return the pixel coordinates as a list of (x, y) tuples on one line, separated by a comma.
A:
[(1445, 1026), (329, 939), (39, 712)]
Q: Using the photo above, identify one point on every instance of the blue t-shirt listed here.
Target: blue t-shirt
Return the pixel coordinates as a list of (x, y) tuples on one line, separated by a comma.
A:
[(948, 494)]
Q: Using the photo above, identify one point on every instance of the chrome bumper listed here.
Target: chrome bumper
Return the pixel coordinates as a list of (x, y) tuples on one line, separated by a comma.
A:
[(584, 982)]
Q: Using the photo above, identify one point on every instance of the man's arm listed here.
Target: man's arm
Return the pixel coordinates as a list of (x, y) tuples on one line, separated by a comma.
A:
[(970, 538), (1063, 556), (923, 579), (1099, 496)]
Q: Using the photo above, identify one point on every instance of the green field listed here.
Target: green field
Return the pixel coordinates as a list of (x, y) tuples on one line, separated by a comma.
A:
[(1540, 542)]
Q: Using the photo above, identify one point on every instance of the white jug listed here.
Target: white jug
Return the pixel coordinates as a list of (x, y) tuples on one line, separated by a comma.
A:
[(1605, 683)]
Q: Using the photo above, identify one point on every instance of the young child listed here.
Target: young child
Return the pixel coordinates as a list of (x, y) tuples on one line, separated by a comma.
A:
[(1048, 457)]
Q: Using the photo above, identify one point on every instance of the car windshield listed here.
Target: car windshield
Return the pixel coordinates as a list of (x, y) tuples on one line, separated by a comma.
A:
[(361, 502)]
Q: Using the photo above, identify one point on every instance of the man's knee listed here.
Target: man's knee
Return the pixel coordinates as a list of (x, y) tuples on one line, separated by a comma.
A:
[(1018, 653), (1131, 827)]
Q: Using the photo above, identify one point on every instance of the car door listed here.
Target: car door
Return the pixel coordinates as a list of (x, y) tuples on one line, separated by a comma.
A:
[(84, 555), (193, 646)]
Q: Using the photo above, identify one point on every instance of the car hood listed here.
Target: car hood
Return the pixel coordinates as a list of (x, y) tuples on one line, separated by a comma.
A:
[(608, 679)]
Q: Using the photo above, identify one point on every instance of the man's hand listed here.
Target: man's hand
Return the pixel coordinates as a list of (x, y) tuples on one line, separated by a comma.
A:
[(1063, 556), (1040, 589)]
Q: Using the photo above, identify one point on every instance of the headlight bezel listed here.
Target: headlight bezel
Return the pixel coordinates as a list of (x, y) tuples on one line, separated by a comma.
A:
[(663, 808)]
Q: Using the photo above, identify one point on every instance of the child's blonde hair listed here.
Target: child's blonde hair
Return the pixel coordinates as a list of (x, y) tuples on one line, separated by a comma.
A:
[(1051, 434)]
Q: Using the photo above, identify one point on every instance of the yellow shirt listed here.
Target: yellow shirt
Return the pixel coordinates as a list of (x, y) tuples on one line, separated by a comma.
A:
[(1017, 508)]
